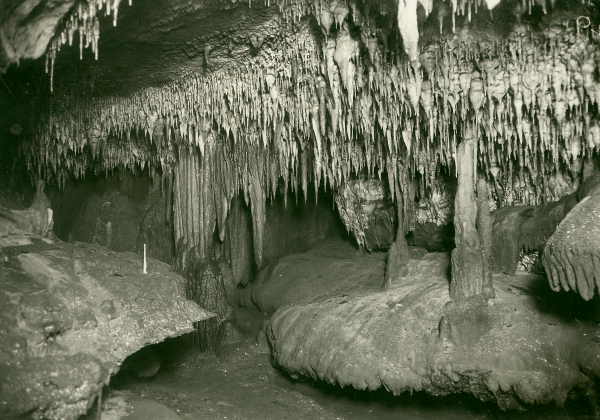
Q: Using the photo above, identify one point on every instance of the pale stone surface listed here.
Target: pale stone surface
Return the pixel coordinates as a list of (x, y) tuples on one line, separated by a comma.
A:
[(513, 351), (572, 254)]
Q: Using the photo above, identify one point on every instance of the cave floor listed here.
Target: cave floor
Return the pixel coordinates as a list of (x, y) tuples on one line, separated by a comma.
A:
[(240, 383)]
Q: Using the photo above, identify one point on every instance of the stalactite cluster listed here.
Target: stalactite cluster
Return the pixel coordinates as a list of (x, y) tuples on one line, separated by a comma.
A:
[(326, 110), (84, 22)]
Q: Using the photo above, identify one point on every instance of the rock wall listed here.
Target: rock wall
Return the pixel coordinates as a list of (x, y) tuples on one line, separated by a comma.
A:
[(297, 225), (121, 213), (292, 225), (27, 28)]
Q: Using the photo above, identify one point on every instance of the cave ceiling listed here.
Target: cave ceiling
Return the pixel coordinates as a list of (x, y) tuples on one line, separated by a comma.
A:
[(151, 43), (161, 41), (313, 91)]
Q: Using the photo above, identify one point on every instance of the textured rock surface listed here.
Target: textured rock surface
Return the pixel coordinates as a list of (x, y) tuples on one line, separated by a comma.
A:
[(470, 274), (187, 37), (331, 268), (406, 339), (367, 214), (572, 254), (432, 237), (27, 26), (518, 228), (119, 213), (70, 314)]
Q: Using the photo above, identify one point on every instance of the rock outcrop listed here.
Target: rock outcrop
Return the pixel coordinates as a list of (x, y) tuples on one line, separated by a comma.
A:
[(367, 214), (71, 313), (572, 254), (27, 26), (407, 339)]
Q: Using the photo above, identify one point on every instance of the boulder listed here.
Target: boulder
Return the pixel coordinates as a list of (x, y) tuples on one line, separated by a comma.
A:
[(409, 338), (572, 254), (70, 313)]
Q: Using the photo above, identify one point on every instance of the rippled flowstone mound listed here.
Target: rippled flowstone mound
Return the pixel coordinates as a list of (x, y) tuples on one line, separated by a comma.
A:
[(409, 338), (70, 314)]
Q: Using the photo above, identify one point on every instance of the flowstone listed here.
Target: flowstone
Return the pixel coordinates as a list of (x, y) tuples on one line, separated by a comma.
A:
[(508, 351)]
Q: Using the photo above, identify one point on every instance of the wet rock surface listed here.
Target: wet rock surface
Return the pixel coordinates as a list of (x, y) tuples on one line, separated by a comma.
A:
[(238, 383), (70, 314), (514, 351)]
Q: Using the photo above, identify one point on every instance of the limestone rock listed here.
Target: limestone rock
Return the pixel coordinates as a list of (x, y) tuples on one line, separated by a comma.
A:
[(27, 26), (120, 214), (329, 269), (366, 213), (123, 405), (406, 339), (71, 313), (432, 237), (572, 254), (518, 228), (396, 265)]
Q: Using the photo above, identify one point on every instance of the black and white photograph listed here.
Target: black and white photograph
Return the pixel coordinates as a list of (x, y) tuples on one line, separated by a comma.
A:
[(299, 209)]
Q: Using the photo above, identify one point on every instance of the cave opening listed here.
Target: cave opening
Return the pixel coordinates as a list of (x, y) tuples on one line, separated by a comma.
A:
[(299, 209)]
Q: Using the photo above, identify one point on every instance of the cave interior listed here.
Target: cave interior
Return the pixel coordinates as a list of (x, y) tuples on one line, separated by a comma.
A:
[(299, 209)]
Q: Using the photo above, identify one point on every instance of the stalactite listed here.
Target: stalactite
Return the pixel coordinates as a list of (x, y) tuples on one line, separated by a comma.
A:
[(337, 115)]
